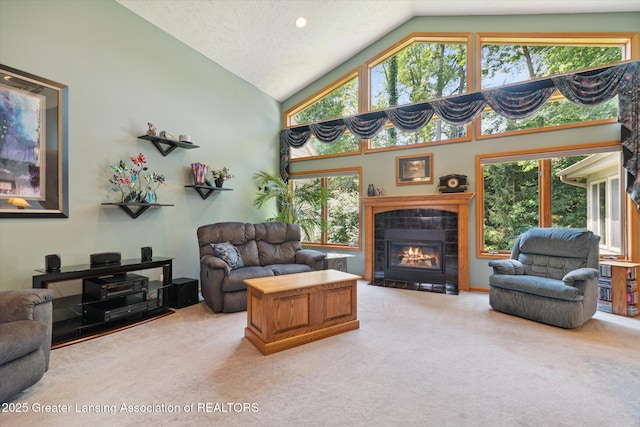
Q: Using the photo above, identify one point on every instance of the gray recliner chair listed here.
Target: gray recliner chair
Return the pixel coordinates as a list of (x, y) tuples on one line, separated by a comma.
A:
[(551, 277), (25, 338)]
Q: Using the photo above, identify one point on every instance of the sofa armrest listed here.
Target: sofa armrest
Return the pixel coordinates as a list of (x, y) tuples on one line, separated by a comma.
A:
[(581, 274), (22, 304), (213, 262), (213, 271), (506, 266), (29, 304), (311, 257)]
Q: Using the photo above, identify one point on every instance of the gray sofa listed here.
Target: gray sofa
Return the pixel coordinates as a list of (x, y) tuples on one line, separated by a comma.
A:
[(25, 338), (551, 277), (231, 252)]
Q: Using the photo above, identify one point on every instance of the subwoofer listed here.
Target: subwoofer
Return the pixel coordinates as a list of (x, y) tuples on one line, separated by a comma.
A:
[(183, 292), (52, 263)]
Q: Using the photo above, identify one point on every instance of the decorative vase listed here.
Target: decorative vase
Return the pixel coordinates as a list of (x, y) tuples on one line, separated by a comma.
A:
[(219, 182), (130, 197), (371, 191), (199, 173)]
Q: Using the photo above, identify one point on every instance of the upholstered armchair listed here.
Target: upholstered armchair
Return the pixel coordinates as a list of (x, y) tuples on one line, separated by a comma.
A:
[(551, 277), (25, 338)]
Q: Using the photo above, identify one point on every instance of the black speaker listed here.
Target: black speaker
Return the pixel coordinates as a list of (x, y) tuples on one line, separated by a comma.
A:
[(52, 262), (103, 258), (183, 292), (146, 254)]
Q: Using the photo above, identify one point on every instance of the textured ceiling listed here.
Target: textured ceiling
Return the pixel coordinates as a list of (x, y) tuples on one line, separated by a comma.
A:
[(258, 41)]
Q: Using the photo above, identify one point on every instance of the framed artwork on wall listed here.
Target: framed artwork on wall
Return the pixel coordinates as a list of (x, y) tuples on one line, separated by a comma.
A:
[(416, 169), (33, 146)]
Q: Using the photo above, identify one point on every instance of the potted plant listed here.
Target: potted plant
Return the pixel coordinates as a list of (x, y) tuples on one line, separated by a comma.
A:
[(296, 204), (220, 175)]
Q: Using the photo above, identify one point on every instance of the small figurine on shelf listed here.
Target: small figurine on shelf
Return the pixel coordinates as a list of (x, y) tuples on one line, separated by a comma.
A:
[(380, 191), (152, 130), (166, 135)]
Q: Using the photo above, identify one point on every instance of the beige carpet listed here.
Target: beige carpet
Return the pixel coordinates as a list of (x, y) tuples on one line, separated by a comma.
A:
[(418, 359)]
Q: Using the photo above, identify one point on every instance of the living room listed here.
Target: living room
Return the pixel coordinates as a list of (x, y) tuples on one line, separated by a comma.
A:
[(122, 73)]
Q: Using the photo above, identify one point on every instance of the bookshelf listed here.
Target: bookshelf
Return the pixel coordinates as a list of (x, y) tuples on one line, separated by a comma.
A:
[(618, 287)]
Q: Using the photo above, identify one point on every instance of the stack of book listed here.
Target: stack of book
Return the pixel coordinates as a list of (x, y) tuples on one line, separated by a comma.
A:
[(604, 290)]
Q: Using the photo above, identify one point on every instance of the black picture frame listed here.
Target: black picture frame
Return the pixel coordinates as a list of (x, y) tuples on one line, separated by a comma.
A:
[(34, 158), (416, 169)]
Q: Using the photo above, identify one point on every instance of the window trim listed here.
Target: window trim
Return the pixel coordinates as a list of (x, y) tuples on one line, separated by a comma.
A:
[(630, 231), (629, 41), (324, 173), (336, 84)]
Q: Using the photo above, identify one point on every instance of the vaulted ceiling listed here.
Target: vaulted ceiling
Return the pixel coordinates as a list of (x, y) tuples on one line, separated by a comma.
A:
[(258, 40)]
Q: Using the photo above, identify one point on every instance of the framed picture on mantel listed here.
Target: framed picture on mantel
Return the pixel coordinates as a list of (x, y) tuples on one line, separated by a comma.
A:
[(416, 169), (33, 146)]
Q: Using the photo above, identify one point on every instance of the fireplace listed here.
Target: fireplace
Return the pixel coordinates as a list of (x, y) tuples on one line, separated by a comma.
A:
[(448, 212), (415, 256)]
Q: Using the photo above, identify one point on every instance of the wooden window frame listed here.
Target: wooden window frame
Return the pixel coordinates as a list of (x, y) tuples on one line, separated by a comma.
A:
[(630, 232), (323, 174), (453, 37), (629, 41)]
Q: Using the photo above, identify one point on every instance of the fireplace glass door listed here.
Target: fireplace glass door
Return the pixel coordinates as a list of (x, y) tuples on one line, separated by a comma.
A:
[(415, 255)]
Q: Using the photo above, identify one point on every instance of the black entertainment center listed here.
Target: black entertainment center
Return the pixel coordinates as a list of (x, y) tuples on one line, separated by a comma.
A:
[(112, 297)]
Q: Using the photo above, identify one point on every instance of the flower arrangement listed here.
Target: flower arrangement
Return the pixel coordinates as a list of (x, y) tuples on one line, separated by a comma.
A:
[(223, 173), (136, 183)]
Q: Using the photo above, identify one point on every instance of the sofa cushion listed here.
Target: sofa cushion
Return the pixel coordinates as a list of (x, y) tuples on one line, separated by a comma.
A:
[(280, 269), (227, 252), (249, 253), (20, 338), (281, 253), (553, 252), (534, 285), (234, 282)]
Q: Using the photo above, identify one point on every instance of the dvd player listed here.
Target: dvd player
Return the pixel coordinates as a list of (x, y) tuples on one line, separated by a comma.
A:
[(113, 310)]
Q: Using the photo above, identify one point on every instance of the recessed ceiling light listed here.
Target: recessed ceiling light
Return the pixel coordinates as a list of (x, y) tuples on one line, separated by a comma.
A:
[(301, 22)]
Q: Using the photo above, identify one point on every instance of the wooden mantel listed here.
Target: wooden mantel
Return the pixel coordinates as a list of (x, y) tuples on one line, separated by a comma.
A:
[(450, 202)]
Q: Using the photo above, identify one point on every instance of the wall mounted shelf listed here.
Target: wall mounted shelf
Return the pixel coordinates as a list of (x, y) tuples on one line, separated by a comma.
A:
[(166, 146), (207, 190), (135, 209)]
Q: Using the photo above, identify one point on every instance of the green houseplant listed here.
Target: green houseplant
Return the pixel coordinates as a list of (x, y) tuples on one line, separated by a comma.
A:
[(296, 204)]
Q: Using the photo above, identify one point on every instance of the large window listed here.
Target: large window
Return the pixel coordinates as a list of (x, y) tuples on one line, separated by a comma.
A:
[(510, 59), (563, 188), (419, 68), (341, 213), (339, 99)]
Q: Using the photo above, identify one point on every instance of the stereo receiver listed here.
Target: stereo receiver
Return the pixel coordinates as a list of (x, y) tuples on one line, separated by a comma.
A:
[(103, 288)]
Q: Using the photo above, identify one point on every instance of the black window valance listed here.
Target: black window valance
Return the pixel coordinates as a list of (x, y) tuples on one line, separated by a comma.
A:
[(516, 101)]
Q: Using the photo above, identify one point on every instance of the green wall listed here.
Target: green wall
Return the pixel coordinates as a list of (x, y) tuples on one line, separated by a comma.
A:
[(379, 168), (122, 72)]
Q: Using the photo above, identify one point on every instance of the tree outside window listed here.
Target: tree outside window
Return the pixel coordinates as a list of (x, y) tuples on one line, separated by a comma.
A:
[(550, 190), (341, 213), (507, 60)]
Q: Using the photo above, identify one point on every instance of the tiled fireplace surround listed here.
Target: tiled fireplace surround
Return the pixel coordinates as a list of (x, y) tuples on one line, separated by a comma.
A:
[(449, 211)]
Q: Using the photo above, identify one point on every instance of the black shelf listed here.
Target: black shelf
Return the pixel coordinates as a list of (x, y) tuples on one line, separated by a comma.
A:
[(140, 207), (207, 189), (72, 322), (166, 146)]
